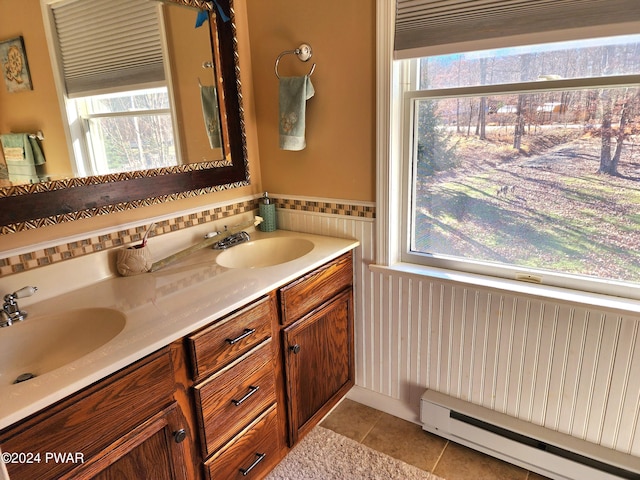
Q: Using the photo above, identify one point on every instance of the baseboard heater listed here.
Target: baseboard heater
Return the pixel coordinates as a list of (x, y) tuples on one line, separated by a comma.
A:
[(535, 448)]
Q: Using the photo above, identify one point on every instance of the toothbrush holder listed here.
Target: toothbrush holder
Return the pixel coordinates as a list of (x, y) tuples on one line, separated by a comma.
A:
[(133, 261)]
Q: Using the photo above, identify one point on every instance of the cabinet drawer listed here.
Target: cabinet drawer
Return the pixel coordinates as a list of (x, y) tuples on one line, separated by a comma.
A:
[(310, 291), (89, 421), (231, 399), (226, 340), (257, 446)]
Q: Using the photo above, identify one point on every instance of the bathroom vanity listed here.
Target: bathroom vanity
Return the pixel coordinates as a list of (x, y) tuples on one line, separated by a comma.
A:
[(233, 367)]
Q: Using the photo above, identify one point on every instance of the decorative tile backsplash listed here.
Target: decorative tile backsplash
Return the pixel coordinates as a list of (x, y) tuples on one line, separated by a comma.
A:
[(364, 211), (68, 251)]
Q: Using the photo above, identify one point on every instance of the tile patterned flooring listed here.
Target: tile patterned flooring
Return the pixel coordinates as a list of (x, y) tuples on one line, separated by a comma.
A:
[(407, 441)]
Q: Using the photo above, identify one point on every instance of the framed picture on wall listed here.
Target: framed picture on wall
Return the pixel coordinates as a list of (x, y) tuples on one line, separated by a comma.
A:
[(15, 69)]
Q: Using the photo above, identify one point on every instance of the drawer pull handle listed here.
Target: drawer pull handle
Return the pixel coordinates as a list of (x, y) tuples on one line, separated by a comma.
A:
[(246, 471), (247, 332), (295, 348), (251, 391)]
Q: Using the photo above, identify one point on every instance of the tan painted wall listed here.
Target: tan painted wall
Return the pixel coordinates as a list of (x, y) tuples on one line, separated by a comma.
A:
[(339, 160), (186, 72), (37, 109)]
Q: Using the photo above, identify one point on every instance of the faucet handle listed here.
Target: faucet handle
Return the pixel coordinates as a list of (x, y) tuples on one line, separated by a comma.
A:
[(24, 292), (10, 310)]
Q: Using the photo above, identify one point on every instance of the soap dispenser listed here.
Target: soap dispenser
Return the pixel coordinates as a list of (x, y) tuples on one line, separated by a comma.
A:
[(268, 214)]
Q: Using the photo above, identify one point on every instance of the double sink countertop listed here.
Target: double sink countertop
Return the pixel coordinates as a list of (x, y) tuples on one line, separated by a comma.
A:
[(158, 307)]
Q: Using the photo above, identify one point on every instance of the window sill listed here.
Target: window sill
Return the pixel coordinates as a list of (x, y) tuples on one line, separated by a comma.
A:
[(544, 292)]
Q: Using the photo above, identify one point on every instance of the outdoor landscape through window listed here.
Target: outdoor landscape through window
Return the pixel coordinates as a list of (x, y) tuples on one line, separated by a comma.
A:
[(127, 131), (545, 178)]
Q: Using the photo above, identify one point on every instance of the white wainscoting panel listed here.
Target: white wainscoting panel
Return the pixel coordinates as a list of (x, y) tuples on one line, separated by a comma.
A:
[(572, 369)]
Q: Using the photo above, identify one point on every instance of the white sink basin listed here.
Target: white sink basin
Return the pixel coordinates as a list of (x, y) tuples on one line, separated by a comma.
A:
[(41, 344), (266, 252)]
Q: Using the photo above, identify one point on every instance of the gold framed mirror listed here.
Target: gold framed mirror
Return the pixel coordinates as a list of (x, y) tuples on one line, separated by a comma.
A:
[(28, 206)]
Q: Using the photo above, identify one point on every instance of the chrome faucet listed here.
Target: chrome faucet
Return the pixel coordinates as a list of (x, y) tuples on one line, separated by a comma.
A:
[(232, 240), (10, 310)]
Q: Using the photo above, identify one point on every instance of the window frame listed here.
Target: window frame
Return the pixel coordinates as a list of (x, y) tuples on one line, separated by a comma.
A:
[(397, 93)]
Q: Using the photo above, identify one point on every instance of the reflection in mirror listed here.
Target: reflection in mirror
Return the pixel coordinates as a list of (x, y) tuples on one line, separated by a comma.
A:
[(193, 71), (190, 163), (117, 62)]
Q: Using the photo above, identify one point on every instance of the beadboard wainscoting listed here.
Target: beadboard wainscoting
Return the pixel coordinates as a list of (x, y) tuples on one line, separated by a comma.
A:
[(571, 368)]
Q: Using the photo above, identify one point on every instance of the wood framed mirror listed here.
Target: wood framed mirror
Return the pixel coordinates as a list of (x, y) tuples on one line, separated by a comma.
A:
[(28, 206)]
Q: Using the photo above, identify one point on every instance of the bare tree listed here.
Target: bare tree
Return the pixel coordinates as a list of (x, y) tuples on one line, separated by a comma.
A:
[(525, 65), (481, 129)]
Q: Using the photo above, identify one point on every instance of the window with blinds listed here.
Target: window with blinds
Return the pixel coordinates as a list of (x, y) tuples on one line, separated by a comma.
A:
[(107, 46), (520, 130), (434, 27)]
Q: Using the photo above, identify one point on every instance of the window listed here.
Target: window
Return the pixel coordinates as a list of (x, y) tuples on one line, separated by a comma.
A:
[(126, 131), (524, 163)]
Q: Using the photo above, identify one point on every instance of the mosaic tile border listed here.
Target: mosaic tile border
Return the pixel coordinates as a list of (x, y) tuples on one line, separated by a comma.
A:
[(68, 251), (334, 208)]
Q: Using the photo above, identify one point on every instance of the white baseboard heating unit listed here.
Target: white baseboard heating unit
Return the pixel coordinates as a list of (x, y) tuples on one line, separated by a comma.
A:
[(549, 453)]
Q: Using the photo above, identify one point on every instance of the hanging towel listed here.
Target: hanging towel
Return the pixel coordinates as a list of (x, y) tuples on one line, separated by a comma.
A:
[(22, 155), (294, 93), (211, 115)]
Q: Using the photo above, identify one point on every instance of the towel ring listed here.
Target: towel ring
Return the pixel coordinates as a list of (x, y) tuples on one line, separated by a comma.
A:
[(304, 54)]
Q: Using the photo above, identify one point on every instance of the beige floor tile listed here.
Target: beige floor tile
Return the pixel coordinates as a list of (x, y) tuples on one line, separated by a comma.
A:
[(462, 463), (352, 419), (405, 441)]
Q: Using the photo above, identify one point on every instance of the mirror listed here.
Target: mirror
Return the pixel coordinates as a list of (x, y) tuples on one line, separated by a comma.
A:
[(34, 205)]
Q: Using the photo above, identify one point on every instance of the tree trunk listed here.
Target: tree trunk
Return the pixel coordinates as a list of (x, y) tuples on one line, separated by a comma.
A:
[(525, 63), (482, 114), (519, 127), (624, 120), (606, 165)]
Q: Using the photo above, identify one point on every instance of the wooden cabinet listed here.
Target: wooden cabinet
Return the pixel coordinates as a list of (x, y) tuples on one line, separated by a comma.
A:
[(232, 398), (311, 290), (152, 450), (318, 343), (121, 422), (235, 364), (227, 339), (219, 403), (250, 455)]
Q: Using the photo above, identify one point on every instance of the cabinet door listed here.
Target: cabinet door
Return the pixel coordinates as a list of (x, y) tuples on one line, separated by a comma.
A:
[(88, 422), (319, 362), (153, 450)]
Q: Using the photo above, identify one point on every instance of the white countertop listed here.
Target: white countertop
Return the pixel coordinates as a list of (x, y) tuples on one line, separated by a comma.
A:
[(160, 308)]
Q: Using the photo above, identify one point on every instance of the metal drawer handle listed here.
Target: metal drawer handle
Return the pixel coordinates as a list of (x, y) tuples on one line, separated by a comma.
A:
[(247, 332), (245, 471), (251, 391)]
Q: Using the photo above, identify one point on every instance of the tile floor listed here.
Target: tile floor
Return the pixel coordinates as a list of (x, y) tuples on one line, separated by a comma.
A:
[(407, 441)]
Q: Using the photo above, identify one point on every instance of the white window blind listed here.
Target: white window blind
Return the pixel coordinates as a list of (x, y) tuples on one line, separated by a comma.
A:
[(434, 27), (108, 45)]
